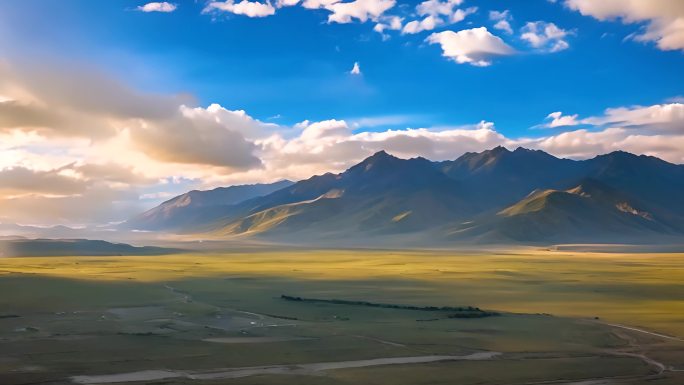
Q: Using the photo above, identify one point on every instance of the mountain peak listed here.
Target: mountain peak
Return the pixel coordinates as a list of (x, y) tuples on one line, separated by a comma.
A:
[(499, 150), (379, 159), (619, 154), (382, 154), (523, 150)]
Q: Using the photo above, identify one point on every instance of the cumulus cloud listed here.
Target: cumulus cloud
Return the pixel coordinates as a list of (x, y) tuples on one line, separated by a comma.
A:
[(22, 180), (318, 4), (83, 104), (158, 7), (189, 138), (340, 12), (559, 120), (332, 146), (286, 3), (545, 36), (437, 13), (327, 129), (361, 10), (437, 7), (658, 118), (64, 95), (416, 26), (668, 117), (234, 120), (244, 7), (502, 20), (665, 18), (392, 23), (472, 46), (84, 91), (584, 143), (67, 134)]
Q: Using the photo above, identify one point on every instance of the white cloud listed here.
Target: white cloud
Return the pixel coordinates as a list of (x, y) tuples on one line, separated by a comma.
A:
[(500, 15), (236, 120), (362, 10), (437, 13), (545, 36), (560, 120), (318, 4), (658, 118), (427, 24), (356, 69), (665, 18), (392, 23), (437, 7), (460, 14), (20, 180), (192, 138), (343, 13), (244, 7), (585, 144), (502, 19), (326, 129), (504, 25), (667, 117), (158, 7), (286, 3), (472, 46)]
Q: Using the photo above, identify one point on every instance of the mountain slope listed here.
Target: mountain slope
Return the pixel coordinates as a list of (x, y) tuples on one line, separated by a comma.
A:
[(381, 195), (198, 207), (659, 185), (499, 177), (589, 212)]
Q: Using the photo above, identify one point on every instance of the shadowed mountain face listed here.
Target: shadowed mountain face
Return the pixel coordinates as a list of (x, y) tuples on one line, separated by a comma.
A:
[(381, 195), (493, 196), (589, 212), (657, 184), (500, 177)]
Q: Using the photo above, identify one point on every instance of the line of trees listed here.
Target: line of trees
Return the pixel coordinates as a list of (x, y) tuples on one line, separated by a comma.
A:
[(461, 311)]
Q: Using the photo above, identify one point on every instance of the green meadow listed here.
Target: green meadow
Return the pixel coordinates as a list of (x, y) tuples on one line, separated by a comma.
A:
[(564, 317)]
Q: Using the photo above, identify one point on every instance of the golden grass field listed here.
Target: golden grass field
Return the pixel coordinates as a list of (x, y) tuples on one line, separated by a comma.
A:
[(636, 289), (123, 301)]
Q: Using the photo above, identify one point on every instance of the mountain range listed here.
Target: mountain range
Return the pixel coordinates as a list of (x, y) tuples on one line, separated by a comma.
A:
[(196, 207), (494, 196)]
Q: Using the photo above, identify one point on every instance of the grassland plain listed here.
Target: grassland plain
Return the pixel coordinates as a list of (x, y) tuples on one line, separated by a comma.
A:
[(201, 314)]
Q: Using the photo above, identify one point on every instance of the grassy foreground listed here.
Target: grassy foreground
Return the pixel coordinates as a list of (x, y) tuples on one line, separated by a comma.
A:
[(636, 289), (69, 316)]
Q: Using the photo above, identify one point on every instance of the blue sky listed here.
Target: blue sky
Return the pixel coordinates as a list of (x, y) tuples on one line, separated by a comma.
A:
[(110, 107), (295, 65)]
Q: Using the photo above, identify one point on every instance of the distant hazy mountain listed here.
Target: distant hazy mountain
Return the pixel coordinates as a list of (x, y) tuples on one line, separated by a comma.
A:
[(22, 247), (493, 196), (198, 207)]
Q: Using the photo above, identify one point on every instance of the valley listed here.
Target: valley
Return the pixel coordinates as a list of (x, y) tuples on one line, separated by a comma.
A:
[(344, 317)]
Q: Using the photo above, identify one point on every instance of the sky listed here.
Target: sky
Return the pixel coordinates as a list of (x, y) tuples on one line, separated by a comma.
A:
[(109, 107)]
